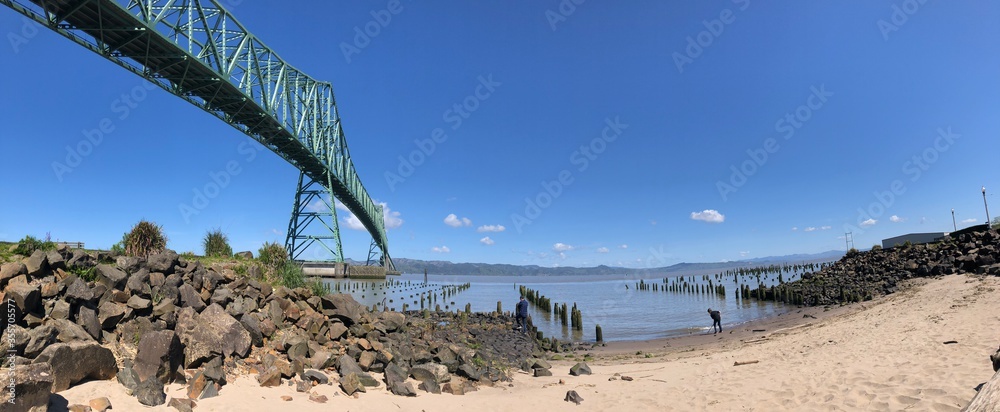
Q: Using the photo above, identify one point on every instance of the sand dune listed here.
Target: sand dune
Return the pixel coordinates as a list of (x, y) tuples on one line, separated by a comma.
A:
[(887, 354)]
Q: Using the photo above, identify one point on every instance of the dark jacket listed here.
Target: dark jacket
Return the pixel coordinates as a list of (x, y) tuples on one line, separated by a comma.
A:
[(522, 309), (716, 316)]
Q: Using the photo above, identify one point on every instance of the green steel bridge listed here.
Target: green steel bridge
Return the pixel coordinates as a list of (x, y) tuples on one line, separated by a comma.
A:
[(197, 50)]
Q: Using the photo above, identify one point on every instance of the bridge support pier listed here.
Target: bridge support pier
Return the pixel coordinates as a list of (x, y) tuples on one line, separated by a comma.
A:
[(313, 203)]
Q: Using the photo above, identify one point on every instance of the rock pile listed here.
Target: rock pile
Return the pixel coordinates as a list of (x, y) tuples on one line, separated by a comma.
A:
[(862, 276), (164, 319)]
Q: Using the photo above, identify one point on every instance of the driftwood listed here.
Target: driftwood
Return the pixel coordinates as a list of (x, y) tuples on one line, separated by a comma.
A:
[(738, 363), (988, 398)]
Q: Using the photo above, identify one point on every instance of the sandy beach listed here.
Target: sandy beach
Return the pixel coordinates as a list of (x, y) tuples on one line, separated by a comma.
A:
[(886, 354)]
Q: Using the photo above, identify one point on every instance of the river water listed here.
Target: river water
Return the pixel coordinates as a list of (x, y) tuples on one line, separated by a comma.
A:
[(614, 302)]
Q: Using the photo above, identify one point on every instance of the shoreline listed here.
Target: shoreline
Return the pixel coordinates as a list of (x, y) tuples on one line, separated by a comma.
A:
[(885, 354)]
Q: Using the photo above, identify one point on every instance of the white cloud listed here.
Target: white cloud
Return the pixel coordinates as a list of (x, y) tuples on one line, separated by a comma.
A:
[(491, 228), (561, 247), (390, 218), (923, 220), (623, 246), (442, 249), (970, 220), (652, 222), (486, 241), (869, 222), (795, 228), (708, 215), (744, 254), (809, 229), (455, 221), (275, 231), (896, 219), (562, 255), (825, 227), (602, 250)]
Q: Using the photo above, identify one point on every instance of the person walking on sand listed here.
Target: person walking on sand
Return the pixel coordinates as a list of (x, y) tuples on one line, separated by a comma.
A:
[(521, 314), (716, 320)]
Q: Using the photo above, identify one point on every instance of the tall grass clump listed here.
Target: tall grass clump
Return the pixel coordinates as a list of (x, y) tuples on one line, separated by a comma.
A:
[(145, 238), (217, 244)]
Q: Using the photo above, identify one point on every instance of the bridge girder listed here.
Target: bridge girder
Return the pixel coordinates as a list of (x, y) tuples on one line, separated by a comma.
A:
[(196, 50)]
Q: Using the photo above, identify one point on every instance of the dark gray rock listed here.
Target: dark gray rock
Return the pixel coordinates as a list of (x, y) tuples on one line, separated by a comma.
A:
[(78, 292), (37, 263), (27, 298), (163, 262), (211, 332), (128, 377), (138, 282), (542, 372), (430, 371), (110, 314), (342, 306), (572, 396), (995, 358), (159, 356), (190, 298), (111, 276), (69, 331), (252, 325), (316, 376), (470, 371), (86, 317), (138, 303), (80, 258), (127, 263), (222, 296), (55, 259), (30, 385), (430, 386), (182, 405), (580, 368), (351, 384), (10, 270), (39, 338), (150, 393), (75, 361), (346, 366)]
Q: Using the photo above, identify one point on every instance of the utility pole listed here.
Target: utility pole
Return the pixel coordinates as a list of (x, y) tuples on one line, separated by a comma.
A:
[(953, 225)]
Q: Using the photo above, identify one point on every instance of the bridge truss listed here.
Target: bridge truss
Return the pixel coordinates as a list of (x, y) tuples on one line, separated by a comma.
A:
[(196, 50)]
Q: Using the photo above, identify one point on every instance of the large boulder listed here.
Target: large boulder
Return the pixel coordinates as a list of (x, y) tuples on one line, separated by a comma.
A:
[(78, 291), (111, 276), (75, 361), (55, 259), (347, 366), (110, 314), (190, 298), (150, 393), (38, 339), (86, 317), (10, 270), (212, 332), (343, 306), (160, 356), (27, 298), (163, 262), (32, 385), (430, 371), (580, 368), (37, 263)]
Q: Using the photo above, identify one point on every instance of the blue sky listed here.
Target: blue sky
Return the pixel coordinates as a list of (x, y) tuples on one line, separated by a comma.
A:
[(619, 133)]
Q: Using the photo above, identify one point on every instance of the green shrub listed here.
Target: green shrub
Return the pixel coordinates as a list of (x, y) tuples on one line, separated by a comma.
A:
[(217, 244), (144, 239), (876, 247), (30, 244), (273, 256), (87, 274)]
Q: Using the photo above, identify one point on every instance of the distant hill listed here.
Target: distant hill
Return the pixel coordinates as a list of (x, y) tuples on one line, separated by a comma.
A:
[(441, 267)]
